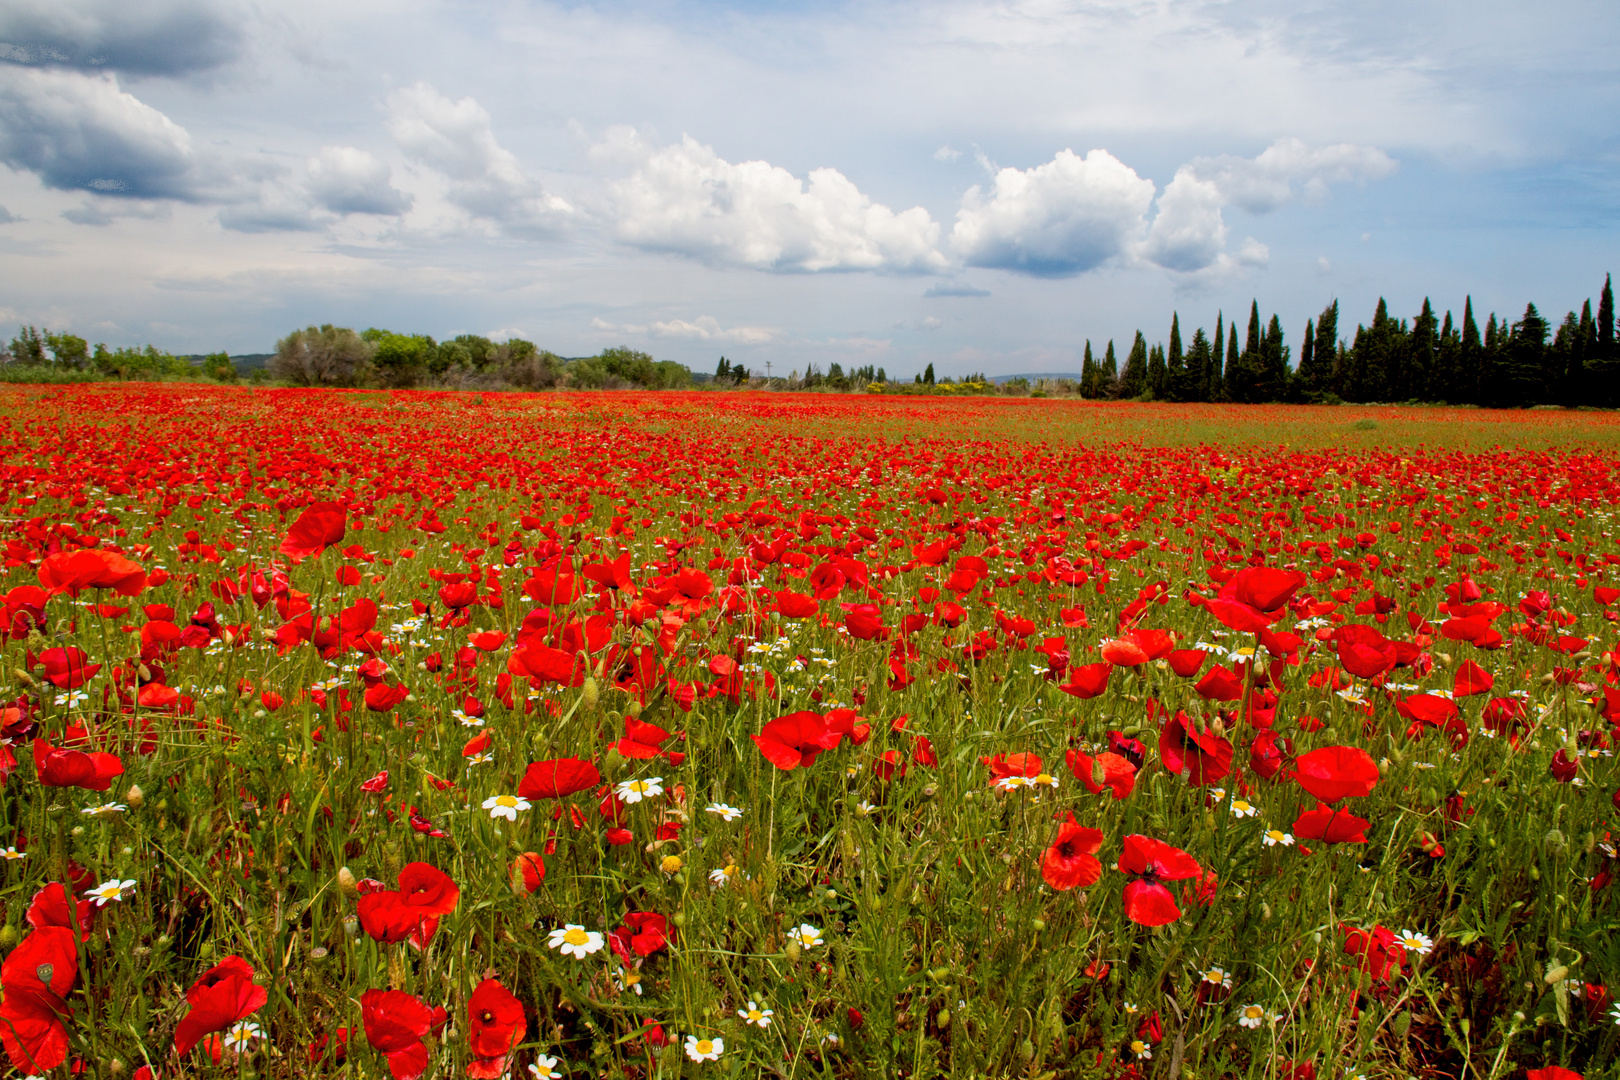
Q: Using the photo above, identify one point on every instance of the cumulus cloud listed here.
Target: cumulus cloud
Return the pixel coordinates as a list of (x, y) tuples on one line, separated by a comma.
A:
[(456, 138), (104, 211), (1188, 232), (685, 199), (347, 180), (703, 328), (83, 131), (151, 37), (6, 216), (1278, 174), (1065, 217)]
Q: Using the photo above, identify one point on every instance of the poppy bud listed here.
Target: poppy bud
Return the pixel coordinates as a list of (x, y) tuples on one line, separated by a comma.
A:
[(8, 936), (134, 796), (589, 693), (346, 880), (792, 952), (23, 678), (1557, 975), (1556, 844)]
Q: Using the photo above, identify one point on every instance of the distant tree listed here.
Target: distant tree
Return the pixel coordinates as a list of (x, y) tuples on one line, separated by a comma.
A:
[(882, 376), (479, 350), (402, 359), (1421, 349), (1307, 382), (1133, 380), (1110, 372), (1572, 344), (1326, 348), (1234, 375), (1604, 367), (322, 356), (28, 347), (1158, 374), (1089, 375), (1274, 370), (218, 366), (1198, 364), (1215, 377), (928, 375), (1469, 379), (68, 350), (1523, 378)]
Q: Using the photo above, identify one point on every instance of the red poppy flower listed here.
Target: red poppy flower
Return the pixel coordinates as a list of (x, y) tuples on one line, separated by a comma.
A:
[(1553, 1072), (317, 528), (1187, 662), (794, 605), (641, 934), (1266, 755), (1364, 652), (1471, 679), (1005, 766), (1219, 684), (528, 871), (74, 768), (844, 722), (1088, 680), (1138, 647), (71, 572), (495, 1024), (35, 980), (50, 908), (1071, 862), (1334, 772), (794, 740), (381, 698), (1105, 772), (558, 778), (395, 1024), (425, 893), (1198, 757), (1564, 767), (1378, 949), (1264, 588), (223, 995), (67, 668), (23, 610), (1150, 862), (1331, 826)]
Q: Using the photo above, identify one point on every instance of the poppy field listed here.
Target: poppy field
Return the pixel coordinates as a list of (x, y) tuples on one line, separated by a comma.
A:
[(650, 735)]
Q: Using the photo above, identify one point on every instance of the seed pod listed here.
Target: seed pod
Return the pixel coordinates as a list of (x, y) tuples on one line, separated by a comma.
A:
[(346, 880), (135, 796), (589, 693), (1556, 975), (8, 936)]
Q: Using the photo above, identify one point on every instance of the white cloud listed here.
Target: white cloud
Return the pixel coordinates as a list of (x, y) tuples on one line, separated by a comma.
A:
[(79, 131), (946, 153), (152, 37), (1188, 232), (1279, 172), (686, 199), (456, 138), (346, 180), (1065, 217), (703, 328)]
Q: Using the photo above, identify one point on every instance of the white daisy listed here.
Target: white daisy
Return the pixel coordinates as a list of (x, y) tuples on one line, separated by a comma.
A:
[(112, 889), (1242, 808), (104, 810), (633, 791), (1273, 837), (506, 806), (241, 1035), (704, 1049), (1251, 1016), (12, 854), (576, 941), (726, 813), (1422, 944), (806, 935), (755, 1015), (545, 1068), (483, 757)]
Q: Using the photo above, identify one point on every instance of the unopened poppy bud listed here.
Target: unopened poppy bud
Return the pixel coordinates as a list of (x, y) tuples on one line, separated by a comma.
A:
[(23, 678), (134, 796), (1556, 844), (36, 640), (346, 880), (115, 1067), (633, 709), (589, 693), (1098, 773), (1557, 975), (8, 936), (144, 672), (612, 762), (230, 637), (792, 952)]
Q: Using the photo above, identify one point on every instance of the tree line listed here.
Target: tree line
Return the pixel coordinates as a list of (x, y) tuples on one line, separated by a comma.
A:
[(1429, 358)]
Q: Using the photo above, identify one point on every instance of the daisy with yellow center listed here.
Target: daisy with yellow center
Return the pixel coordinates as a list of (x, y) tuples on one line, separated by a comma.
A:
[(506, 806), (1242, 808), (806, 935), (704, 1049), (755, 1015), (576, 941), (108, 891), (1141, 1049), (633, 791), (1273, 837), (1251, 1016)]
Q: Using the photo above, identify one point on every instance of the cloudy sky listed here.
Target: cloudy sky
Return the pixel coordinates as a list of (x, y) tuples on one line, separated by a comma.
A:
[(982, 186)]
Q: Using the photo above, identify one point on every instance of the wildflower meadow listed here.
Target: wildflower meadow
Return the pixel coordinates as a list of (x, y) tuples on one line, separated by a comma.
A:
[(626, 735)]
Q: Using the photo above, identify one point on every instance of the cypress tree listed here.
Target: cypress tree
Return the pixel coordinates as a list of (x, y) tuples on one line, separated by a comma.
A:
[(1605, 366), (1088, 374), (1178, 379), (1523, 381), (1234, 366), (1420, 355), (1198, 361), (1110, 371), (1446, 359), (1133, 381), (928, 375), (1215, 388), (1307, 380), (1470, 359), (1490, 363), (1327, 347), (1275, 375), (1252, 346), (1158, 374)]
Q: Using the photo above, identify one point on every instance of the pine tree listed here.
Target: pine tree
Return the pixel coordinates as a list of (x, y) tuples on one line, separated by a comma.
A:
[(1274, 372), (1215, 387), (1178, 378), (1524, 378), (1088, 374), (1110, 372), (1421, 348), (928, 375), (1491, 363), (1447, 363)]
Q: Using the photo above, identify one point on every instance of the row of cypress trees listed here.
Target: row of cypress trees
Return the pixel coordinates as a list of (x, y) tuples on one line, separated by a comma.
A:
[(1433, 359)]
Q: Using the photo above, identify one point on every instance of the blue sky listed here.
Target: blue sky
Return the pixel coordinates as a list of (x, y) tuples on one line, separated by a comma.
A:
[(977, 186)]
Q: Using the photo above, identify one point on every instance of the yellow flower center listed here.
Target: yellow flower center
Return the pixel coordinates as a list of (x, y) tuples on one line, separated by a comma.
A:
[(576, 936), (1252, 1012), (506, 800), (705, 1046), (754, 1014)]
